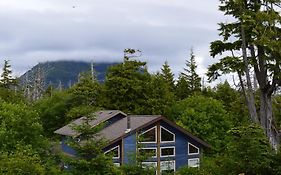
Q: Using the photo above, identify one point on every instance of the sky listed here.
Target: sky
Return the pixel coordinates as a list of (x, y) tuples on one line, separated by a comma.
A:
[(34, 31)]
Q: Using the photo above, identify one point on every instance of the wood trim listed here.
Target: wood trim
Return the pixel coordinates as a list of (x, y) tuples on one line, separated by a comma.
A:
[(158, 148), (122, 151)]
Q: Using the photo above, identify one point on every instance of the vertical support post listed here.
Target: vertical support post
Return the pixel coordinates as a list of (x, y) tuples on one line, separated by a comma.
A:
[(158, 148)]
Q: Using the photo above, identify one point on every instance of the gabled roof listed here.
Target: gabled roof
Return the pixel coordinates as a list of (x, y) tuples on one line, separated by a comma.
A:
[(117, 131), (100, 116)]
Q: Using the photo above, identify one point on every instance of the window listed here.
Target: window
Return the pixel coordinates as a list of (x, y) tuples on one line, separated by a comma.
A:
[(193, 162), (149, 152), (167, 166), (148, 136), (192, 149), (167, 151), (166, 135), (117, 164), (149, 164), (115, 152)]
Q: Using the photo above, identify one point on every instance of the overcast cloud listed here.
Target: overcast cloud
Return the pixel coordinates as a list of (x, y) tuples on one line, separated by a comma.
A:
[(34, 31)]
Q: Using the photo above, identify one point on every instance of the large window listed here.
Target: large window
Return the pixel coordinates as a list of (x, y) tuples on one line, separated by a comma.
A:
[(193, 162), (148, 152), (166, 135), (114, 152), (150, 165), (167, 167), (148, 136), (167, 151), (192, 149)]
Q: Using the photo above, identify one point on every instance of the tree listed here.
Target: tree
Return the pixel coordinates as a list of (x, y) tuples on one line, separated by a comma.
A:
[(6, 77), (204, 117), (189, 81), (168, 76), (126, 86), (257, 31), (90, 155), (161, 96), (19, 124)]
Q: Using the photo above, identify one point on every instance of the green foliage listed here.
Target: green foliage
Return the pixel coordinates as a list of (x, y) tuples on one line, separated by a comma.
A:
[(135, 169), (161, 96), (205, 117), (189, 81), (22, 161), (168, 76), (86, 91), (126, 87), (11, 96), (248, 151), (52, 111), (19, 125), (90, 155)]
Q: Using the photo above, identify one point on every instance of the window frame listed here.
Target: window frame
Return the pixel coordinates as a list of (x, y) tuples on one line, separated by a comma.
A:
[(154, 127), (174, 167), (174, 136), (198, 152), (150, 148), (118, 152), (197, 165), (174, 152)]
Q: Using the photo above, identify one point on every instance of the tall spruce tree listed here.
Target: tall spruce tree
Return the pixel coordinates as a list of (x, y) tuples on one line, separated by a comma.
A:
[(189, 81), (168, 75), (257, 48), (6, 77)]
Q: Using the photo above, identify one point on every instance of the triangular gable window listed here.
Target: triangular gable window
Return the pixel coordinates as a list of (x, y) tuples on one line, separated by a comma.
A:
[(192, 149), (114, 152), (148, 136), (166, 135)]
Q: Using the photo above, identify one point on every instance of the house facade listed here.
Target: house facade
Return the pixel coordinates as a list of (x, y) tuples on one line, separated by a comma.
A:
[(167, 145)]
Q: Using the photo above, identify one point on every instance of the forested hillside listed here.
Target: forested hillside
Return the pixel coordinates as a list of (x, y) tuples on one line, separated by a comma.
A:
[(62, 73)]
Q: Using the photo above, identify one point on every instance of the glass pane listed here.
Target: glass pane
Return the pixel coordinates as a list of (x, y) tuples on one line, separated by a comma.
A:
[(147, 152), (167, 165), (166, 136), (114, 152), (148, 136), (167, 151), (193, 162), (192, 149)]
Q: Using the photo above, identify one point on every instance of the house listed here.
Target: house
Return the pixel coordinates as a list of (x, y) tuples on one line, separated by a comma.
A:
[(169, 145)]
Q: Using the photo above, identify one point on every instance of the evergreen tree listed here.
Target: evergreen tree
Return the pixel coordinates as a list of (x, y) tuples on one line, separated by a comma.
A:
[(189, 81), (168, 76), (6, 77), (126, 86), (252, 40)]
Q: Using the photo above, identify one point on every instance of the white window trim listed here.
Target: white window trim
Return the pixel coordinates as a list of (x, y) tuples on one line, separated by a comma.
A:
[(168, 161), (198, 165), (150, 148), (174, 152), (149, 163), (174, 136), (118, 148), (146, 132), (193, 146)]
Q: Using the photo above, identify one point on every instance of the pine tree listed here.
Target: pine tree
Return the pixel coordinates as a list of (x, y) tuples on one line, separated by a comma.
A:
[(168, 76), (6, 77), (189, 81)]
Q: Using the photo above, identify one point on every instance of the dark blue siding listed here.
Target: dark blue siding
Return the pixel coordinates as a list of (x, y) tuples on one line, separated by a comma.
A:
[(129, 148), (65, 148), (181, 146)]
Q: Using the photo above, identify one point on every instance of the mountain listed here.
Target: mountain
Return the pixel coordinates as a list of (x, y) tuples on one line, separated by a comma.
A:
[(63, 73)]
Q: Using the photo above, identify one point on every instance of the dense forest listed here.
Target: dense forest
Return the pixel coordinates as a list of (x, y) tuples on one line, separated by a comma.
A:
[(240, 122)]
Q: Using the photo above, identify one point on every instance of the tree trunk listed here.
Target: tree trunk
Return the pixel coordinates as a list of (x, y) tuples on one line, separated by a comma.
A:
[(249, 91), (266, 118)]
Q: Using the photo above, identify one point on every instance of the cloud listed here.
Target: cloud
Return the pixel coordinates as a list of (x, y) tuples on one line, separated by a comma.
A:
[(34, 31)]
